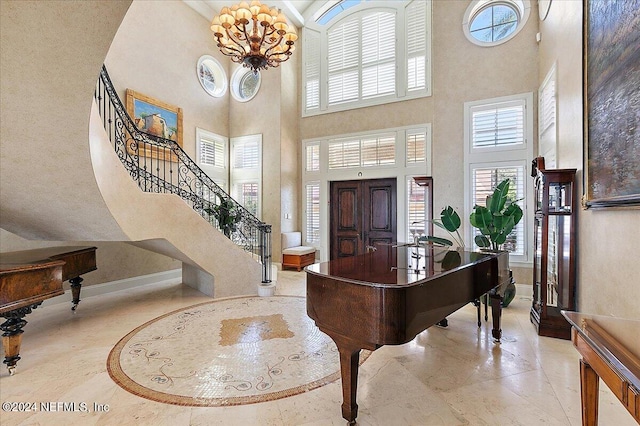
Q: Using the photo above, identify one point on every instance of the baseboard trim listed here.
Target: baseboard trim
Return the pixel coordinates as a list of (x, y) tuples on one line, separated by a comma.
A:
[(173, 276)]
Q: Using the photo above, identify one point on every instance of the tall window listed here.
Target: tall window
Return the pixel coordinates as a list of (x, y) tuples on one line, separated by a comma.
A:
[(499, 145), (312, 212), (374, 55), (419, 208), (246, 172), (547, 119)]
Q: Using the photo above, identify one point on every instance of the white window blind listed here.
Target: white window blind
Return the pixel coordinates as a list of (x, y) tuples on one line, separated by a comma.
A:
[(484, 181), (212, 157), (312, 212), (378, 54), (374, 150), (416, 147), (246, 172), (212, 152), (547, 119), (312, 69), (343, 61), (416, 44), (417, 200), (312, 158), (498, 125), (379, 151), (246, 155), (344, 154)]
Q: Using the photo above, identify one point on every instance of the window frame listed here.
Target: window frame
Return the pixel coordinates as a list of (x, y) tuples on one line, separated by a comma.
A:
[(512, 156), (401, 93), (239, 176), (212, 171), (521, 7)]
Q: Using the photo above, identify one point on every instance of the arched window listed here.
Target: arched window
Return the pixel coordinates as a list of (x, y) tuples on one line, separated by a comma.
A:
[(360, 54)]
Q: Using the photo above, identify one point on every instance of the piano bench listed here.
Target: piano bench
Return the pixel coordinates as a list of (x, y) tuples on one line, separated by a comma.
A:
[(294, 254)]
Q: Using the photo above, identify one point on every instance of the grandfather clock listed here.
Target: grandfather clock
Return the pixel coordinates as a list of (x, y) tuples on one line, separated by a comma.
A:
[(554, 271)]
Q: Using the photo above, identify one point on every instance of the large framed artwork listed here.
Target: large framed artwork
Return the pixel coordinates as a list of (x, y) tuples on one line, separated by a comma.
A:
[(612, 103), (156, 118)]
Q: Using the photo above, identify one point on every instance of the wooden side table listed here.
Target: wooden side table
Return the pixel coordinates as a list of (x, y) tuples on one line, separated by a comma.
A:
[(610, 351)]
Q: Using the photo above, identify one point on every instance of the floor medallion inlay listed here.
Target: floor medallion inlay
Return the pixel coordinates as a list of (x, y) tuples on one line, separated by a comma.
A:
[(226, 352)]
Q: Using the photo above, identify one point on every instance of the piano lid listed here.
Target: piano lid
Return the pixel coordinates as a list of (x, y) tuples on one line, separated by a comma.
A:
[(398, 265)]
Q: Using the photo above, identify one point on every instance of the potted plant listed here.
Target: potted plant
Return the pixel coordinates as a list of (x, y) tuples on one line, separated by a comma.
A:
[(227, 215), (495, 221)]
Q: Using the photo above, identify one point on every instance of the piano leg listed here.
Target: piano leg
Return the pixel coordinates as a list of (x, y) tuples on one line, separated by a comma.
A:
[(496, 314), (76, 285), (12, 334), (349, 363)]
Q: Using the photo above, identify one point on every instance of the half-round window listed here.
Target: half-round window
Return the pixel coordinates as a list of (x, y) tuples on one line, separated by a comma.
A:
[(493, 22), (245, 84)]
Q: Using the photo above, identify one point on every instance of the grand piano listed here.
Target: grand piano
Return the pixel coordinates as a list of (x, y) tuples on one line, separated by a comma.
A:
[(389, 295), (29, 277)]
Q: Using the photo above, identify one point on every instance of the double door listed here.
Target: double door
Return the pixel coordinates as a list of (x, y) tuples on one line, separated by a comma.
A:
[(362, 214)]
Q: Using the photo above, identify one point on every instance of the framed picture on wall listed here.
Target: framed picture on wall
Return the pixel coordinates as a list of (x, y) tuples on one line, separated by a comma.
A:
[(156, 118), (611, 103)]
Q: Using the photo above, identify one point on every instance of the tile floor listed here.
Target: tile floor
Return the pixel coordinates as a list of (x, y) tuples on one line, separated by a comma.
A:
[(450, 376)]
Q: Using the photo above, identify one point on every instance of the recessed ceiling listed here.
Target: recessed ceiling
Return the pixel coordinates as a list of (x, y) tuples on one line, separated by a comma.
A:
[(293, 9)]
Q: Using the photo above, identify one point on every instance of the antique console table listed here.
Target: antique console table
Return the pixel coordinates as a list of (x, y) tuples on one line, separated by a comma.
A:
[(29, 277), (610, 349)]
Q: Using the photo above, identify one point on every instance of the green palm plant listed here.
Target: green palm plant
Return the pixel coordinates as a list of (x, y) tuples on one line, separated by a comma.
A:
[(450, 222), (497, 219)]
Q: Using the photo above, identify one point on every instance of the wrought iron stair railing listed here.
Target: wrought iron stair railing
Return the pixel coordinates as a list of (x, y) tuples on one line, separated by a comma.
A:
[(160, 165)]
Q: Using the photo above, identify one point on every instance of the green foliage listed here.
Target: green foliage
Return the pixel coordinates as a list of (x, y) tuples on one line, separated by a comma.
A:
[(497, 219), (450, 222), (227, 214)]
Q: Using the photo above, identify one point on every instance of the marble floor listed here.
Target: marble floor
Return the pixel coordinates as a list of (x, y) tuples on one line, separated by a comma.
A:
[(445, 376)]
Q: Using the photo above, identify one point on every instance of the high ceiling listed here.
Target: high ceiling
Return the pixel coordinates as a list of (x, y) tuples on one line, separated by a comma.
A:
[(293, 9)]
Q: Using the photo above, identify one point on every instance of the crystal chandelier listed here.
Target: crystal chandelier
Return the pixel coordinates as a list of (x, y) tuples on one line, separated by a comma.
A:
[(254, 35)]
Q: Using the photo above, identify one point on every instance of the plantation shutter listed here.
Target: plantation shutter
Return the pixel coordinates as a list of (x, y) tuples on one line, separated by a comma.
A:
[(246, 172), (247, 155), (312, 230), (416, 44), (312, 158), (498, 125), (211, 152), (343, 61), (379, 151), (416, 147), (484, 181), (416, 209), (312, 69), (378, 54), (547, 120), (344, 154)]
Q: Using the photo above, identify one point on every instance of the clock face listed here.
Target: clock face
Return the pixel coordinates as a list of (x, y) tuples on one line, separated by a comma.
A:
[(543, 8)]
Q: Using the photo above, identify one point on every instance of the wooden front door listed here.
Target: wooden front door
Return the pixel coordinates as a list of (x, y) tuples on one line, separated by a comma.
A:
[(362, 213)]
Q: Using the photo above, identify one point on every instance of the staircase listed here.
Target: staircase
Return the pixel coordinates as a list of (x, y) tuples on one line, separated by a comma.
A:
[(160, 165), (61, 179)]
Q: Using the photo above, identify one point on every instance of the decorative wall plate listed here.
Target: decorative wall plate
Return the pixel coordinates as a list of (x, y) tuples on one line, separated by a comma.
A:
[(212, 76)]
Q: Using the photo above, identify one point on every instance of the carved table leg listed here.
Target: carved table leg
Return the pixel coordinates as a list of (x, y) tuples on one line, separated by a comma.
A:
[(76, 285), (589, 382), (496, 313), (12, 335)]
